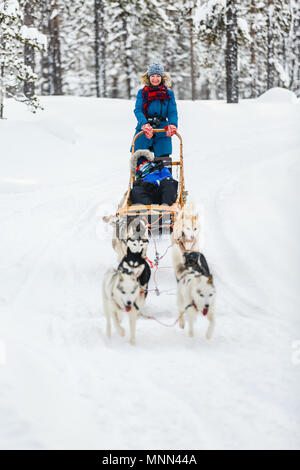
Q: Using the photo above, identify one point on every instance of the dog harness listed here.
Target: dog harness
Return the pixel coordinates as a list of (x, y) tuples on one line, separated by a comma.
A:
[(204, 311)]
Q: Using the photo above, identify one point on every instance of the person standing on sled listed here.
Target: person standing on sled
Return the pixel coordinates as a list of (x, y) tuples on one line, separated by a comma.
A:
[(155, 109)]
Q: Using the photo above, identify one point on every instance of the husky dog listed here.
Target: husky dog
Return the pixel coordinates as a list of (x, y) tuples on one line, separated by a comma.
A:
[(195, 290), (121, 293), (130, 264), (186, 229), (128, 231)]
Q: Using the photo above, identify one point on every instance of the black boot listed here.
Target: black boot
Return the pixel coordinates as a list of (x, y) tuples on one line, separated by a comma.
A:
[(168, 191)]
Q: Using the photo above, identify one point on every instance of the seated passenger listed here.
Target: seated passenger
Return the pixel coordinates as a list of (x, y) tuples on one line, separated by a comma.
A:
[(154, 183)]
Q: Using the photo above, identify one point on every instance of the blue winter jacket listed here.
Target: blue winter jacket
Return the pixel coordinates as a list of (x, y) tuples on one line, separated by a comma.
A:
[(157, 176), (165, 108)]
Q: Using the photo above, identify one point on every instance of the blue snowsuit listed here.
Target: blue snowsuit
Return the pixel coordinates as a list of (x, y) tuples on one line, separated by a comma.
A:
[(155, 187), (162, 145)]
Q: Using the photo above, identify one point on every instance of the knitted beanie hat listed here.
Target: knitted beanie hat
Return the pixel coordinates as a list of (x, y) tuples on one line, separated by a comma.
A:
[(155, 69)]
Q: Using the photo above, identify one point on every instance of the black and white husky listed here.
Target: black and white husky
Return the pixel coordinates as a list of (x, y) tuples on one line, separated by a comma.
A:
[(195, 289), (122, 294), (133, 260)]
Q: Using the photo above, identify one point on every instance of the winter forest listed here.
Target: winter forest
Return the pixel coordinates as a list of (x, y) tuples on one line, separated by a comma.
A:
[(213, 49)]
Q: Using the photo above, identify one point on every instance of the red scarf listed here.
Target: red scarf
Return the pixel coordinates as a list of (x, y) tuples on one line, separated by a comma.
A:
[(151, 93)]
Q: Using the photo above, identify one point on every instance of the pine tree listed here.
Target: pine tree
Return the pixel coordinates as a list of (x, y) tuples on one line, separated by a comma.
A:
[(223, 31), (54, 55), (122, 26), (278, 26), (51, 68), (29, 57), (231, 53), (294, 43), (13, 70), (100, 48), (77, 41)]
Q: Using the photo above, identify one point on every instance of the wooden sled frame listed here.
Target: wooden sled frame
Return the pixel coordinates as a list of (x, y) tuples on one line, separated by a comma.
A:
[(156, 211)]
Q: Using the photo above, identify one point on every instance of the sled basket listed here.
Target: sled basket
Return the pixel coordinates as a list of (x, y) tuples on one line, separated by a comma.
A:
[(157, 216)]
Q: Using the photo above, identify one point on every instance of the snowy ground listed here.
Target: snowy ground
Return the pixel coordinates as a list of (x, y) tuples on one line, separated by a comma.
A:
[(62, 384)]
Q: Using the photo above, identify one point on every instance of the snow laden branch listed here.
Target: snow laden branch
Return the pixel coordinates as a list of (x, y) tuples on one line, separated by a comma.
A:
[(14, 35)]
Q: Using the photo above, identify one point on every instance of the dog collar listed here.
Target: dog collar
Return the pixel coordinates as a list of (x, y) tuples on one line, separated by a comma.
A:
[(191, 305), (204, 310)]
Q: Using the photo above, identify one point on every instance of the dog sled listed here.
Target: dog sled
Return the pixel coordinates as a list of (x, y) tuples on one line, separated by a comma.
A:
[(159, 218)]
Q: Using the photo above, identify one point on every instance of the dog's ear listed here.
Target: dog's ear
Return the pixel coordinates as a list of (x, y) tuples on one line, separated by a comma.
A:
[(204, 265), (210, 280)]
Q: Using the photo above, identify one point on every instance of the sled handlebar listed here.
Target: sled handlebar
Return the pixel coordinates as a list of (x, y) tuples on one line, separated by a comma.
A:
[(154, 130)]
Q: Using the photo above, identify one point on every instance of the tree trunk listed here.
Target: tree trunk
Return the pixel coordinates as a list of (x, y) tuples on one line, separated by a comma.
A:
[(45, 83), (295, 62), (29, 56), (100, 50), (115, 90), (270, 48), (129, 69), (2, 90), (192, 55), (54, 59), (252, 51), (231, 53)]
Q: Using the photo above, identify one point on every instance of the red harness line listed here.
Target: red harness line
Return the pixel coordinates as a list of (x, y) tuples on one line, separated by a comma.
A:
[(158, 321)]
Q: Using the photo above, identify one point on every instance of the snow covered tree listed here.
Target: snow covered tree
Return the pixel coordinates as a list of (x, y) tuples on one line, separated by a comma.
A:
[(231, 53), (252, 80), (183, 39), (13, 70), (191, 5), (77, 44), (54, 56), (100, 49), (29, 57), (51, 60), (222, 31), (294, 41), (278, 20), (122, 29)]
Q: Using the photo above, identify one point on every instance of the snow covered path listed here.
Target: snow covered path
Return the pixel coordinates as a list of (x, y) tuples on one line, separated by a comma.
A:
[(63, 385)]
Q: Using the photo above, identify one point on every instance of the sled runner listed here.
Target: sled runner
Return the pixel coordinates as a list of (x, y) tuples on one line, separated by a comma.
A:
[(158, 217)]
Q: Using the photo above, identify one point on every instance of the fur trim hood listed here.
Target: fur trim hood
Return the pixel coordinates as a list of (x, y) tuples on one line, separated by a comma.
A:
[(166, 80), (140, 153)]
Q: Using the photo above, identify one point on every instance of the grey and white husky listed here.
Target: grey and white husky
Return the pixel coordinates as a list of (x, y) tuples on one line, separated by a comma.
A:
[(195, 289), (122, 293), (132, 232)]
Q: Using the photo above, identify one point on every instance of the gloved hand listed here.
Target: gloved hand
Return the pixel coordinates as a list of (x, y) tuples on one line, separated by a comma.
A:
[(171, 130), (148, 130)]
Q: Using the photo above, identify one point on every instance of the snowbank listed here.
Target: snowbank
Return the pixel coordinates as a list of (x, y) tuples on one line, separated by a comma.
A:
[(278, 95)]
